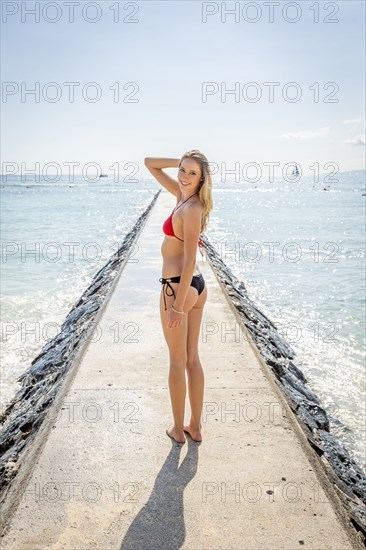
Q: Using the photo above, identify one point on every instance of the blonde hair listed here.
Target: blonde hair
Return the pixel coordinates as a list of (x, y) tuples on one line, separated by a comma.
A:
[(205, 185)]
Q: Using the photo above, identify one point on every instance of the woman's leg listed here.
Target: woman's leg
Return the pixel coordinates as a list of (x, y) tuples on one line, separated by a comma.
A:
[(176, 338), (194, 368)]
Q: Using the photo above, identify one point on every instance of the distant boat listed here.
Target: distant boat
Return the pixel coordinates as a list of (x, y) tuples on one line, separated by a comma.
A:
[(295, 171), (103, 176)]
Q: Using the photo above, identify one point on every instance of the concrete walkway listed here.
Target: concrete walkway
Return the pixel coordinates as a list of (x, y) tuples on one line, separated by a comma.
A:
[(108, 477)]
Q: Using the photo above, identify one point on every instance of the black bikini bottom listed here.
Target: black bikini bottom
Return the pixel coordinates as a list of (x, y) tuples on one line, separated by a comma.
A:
[(197, 281)]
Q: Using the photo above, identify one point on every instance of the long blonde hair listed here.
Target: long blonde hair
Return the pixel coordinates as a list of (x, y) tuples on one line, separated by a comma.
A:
[(205, 185)]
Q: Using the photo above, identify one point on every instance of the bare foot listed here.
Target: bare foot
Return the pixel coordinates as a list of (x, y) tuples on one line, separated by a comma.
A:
[(193, 432), (177, 435)]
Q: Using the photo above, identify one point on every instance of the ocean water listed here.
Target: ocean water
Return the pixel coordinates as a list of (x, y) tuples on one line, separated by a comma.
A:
[(55, 238), (298, 247)]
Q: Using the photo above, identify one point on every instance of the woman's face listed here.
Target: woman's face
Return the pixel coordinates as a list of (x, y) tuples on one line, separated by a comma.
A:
[(189, 174)]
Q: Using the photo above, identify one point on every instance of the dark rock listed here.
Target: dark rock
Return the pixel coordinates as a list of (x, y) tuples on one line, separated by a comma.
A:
[(299, 386), (346, 468), (296, 372), (358, 516), (279, 368), (313, 415)]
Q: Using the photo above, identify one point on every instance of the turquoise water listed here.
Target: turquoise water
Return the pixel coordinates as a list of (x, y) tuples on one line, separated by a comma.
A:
[(299, 249)]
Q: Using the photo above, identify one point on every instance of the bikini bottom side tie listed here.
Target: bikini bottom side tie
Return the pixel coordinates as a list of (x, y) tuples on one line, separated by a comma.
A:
[(166, 284)]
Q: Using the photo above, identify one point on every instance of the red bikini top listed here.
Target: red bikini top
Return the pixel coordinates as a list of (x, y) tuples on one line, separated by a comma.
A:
[(168, 226)]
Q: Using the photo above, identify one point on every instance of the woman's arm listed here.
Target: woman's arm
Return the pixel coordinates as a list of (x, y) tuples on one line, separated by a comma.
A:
[(191, 228), (161, 162), (155, 166)]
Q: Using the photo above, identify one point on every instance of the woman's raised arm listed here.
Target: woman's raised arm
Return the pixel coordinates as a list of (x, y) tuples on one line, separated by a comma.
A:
[(155, 166)]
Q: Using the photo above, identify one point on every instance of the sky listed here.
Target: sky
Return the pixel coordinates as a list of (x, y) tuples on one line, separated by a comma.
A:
[(172, 62)]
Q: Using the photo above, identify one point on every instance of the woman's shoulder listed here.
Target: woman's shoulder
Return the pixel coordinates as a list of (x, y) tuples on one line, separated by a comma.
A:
[(194, 205)]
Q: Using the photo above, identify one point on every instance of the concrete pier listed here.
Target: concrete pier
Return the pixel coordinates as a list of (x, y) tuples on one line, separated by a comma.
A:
[(107, 476)]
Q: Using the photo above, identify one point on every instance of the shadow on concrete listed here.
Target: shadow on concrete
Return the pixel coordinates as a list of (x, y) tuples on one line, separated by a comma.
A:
[(160, 523)]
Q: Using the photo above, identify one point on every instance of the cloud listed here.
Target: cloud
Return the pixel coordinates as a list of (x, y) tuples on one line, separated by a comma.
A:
[(359, 140), (309, 134), (353, 121)]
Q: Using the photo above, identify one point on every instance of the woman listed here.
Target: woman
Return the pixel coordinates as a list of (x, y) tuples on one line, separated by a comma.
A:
[(184, 291)]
